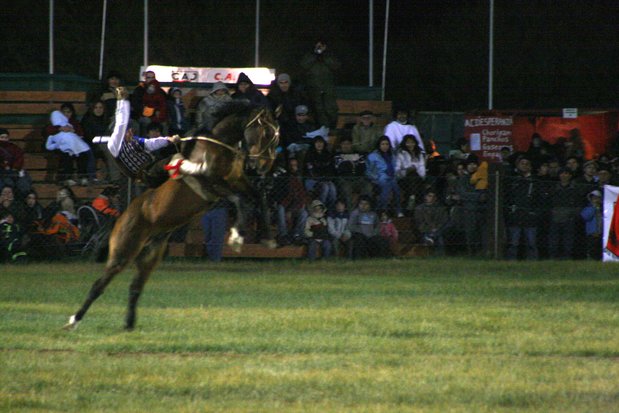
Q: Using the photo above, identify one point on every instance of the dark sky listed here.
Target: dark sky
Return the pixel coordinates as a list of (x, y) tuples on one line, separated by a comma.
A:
[(548, 54)]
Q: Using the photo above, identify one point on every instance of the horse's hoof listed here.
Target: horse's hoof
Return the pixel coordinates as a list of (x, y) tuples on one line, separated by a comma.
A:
[(237, 245), (236, 240), (72, 324)]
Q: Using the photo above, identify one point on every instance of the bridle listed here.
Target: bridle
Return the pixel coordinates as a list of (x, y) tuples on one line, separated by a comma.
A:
[(269, 148)]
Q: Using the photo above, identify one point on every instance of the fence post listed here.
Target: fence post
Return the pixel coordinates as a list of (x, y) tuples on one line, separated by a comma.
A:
[(497, 198)]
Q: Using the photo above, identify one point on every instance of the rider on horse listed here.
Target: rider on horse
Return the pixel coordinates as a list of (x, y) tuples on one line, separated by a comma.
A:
[(133, 153)]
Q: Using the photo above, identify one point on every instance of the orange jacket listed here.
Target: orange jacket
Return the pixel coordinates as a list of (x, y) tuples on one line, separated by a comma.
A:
[(63, 229), (102, 204)]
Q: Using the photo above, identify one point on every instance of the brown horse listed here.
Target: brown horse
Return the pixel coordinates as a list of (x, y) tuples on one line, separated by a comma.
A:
[(141, 233)]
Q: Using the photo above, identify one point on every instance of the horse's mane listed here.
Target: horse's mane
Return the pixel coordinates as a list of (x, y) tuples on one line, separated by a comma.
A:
[(230, 108), (234, 107)]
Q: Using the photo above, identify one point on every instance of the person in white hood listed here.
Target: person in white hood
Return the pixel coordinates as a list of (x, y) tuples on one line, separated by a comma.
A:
[(399, 127)]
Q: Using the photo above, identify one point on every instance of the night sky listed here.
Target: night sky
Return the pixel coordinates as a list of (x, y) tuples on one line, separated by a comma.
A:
[(548, 54)]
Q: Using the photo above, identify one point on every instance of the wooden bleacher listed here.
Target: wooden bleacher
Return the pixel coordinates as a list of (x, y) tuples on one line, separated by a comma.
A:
[(349, 111), (31, 109), (39, 103)]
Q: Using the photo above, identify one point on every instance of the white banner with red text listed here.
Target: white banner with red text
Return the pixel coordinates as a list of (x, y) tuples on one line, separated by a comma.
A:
[(259, 75)]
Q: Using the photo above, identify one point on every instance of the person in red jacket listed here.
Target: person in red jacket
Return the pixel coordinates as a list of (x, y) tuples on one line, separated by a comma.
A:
[(12, 171), (148, 104)]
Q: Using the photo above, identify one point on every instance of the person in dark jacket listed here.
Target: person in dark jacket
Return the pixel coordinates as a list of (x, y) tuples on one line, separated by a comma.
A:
[(522, 203), (177, 118), (245, 89), (283, 92), (291, 206), (566, 202), (12, 170), (320, 172), (320, 67)]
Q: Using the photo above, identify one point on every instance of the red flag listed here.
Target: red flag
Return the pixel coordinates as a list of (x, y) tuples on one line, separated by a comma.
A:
[(613, 233)]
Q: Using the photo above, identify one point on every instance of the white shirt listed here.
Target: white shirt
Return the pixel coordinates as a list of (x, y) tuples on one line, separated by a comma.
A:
[(395, 131)]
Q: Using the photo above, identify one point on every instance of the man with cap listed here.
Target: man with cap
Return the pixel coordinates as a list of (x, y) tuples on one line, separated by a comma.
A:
[(296, 135), (588, 181), (365, 133), (283, 92), (605, 176), (12, 170)]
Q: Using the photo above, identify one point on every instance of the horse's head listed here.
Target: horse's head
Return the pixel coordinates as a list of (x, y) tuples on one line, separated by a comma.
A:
[(261, 137)]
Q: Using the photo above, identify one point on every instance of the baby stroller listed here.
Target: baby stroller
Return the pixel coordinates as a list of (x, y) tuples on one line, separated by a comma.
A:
[(95, 229)]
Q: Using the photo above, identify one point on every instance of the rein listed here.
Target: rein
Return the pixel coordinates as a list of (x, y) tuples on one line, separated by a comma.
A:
[(269, 148), (220, 143)]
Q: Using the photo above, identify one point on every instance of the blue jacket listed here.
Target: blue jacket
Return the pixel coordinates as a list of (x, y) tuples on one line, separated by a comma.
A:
[(376, 167), (590, 217)]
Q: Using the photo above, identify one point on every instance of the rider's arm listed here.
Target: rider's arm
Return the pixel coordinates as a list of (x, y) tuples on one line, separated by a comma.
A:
[(153, 144), (121, 117)]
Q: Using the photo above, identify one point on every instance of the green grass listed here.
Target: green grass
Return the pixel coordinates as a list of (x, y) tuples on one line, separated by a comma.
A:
[(377, 336)]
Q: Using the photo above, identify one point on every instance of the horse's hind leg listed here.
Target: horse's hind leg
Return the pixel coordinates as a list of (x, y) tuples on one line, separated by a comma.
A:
[(146, 262), (95, 291), (126, 241)]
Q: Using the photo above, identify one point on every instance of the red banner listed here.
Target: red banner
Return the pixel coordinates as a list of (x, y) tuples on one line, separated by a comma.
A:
[(597, 131), (488, 134)]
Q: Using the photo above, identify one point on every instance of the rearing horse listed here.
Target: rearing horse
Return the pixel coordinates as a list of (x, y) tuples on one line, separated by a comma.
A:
[(141, 233)]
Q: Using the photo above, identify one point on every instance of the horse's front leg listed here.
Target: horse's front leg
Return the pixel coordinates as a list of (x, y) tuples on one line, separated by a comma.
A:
[(236, 240)]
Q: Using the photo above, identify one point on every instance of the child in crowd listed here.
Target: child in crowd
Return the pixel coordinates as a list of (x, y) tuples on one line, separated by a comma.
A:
[(593, 217), (10, 239), (338, 228), (316, 230), (364, 226), (388, 231)]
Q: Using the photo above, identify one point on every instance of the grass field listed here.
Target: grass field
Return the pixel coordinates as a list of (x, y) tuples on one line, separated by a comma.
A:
[(379, 336)]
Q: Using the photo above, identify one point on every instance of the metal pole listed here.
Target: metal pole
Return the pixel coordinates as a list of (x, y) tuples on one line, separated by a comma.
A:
[(385, 49), (145, 33), (103, 24), (371, 43), (257, 37), (497, 198), (491, 56), (51, 37)]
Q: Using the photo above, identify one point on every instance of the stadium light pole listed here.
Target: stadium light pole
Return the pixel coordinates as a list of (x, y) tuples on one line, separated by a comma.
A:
[(103, 24), (386, 35), (491, 56), (257, 37), (371, 43), (51, 37), (145, 33)]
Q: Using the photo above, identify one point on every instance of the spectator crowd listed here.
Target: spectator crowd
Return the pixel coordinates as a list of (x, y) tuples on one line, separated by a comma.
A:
[(341, 192)]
